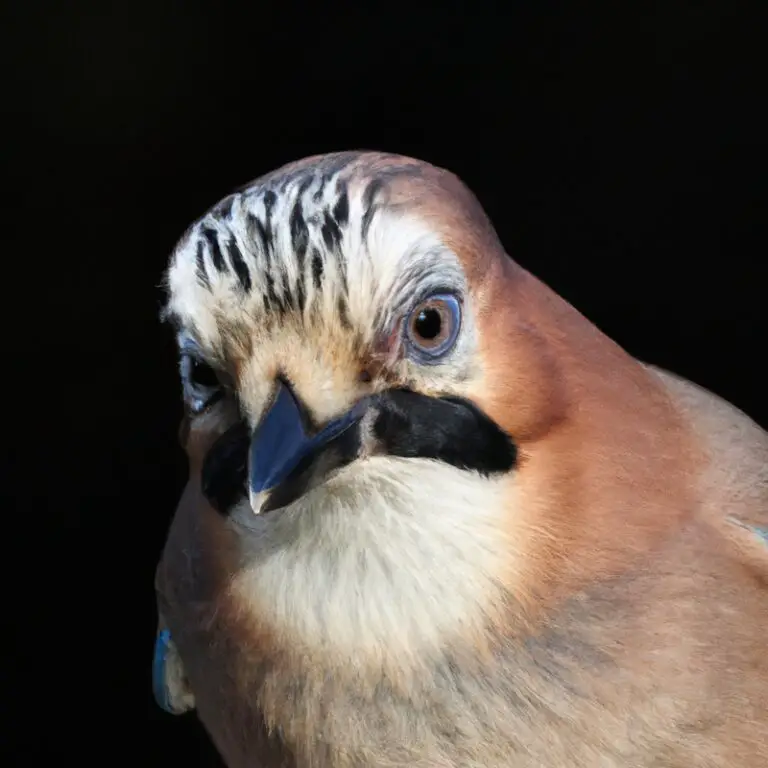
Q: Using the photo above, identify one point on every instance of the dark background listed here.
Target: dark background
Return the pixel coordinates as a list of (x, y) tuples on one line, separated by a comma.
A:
[(617, 152)]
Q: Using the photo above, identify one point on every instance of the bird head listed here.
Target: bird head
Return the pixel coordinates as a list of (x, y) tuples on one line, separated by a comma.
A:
[(398, 437)]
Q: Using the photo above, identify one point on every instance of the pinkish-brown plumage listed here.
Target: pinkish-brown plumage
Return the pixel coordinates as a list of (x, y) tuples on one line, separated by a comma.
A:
[(605, 602)]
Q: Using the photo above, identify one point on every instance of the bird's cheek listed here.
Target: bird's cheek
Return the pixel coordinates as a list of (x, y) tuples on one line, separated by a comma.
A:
[(175, 571), (196, 564)]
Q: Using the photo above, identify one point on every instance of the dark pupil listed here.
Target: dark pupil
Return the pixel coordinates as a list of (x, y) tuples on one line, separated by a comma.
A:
[(427, 324), (203, 375)]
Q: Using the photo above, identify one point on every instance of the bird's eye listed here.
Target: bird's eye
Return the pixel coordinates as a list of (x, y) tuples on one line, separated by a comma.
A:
[(200, 382), (433, 326)]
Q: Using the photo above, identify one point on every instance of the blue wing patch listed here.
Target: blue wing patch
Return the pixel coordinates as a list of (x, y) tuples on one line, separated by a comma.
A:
[(760, 532), (159, 686)]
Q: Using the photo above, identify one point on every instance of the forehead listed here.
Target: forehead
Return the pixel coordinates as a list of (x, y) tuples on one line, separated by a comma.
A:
[(335, 242)]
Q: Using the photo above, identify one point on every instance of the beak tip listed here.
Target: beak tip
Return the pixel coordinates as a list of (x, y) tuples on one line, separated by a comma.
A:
[(255, 501)]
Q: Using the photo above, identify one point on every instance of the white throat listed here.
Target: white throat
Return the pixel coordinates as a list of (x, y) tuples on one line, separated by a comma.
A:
[(389, 555)]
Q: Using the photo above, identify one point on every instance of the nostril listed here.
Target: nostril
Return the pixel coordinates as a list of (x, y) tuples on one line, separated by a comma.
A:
[(224, 476)]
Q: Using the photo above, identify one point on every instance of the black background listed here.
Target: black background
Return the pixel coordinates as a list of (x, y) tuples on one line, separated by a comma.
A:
[(617, 151)]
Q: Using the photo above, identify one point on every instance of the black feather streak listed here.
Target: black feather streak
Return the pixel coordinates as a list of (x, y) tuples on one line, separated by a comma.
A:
[(239, 265), (202, 274), (213, 243), (341, 306), (304, 186), (317, 268), (331, 232), (369, 204), (318, 195), (223, 210), (257, 229), (301, 293), (341, 209), (272, 299), (299, 233), (270, 198)]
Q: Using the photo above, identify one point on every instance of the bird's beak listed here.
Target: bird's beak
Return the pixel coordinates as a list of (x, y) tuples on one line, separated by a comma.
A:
[(285, 460)]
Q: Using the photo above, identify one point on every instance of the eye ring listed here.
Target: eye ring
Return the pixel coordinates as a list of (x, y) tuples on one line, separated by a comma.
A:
[(433, 325), (200, 383)]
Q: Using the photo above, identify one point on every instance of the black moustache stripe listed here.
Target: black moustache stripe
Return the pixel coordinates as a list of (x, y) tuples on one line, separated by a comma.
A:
[(447, 429), (407, 424), (224, 476)]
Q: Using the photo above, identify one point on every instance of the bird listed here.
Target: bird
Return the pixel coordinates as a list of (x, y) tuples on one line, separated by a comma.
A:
[(434, 515)]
